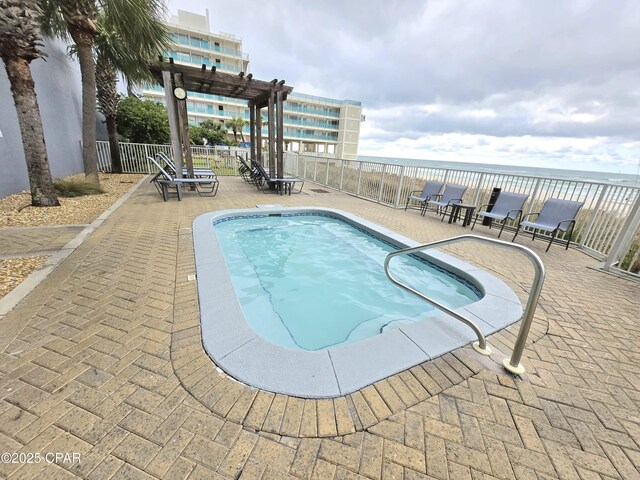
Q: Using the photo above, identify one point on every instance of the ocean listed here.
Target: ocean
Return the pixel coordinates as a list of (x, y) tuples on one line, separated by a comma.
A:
[(579, 175)]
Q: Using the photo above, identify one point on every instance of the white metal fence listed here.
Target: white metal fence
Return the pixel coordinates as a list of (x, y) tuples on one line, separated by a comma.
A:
[(134, 157), (608, 226)]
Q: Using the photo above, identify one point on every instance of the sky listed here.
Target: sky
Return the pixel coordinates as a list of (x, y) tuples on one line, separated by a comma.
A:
[(542, 83)]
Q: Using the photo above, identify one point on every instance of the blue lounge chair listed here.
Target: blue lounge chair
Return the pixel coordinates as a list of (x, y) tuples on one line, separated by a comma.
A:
[(452, 194), (430, 190), (206, 187), (507, 207), (556, 216)]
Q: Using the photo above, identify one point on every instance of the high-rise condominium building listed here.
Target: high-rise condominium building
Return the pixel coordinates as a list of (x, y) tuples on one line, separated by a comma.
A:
[(311, 123)]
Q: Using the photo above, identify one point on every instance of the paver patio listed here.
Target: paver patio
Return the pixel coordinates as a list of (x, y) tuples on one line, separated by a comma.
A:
[(103, 358)]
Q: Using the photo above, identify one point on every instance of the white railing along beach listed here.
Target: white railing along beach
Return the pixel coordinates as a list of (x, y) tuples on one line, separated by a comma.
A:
[(608, 226)]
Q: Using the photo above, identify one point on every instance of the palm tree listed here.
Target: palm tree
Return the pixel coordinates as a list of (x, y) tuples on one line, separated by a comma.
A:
[(236, 125), (129, 56), (20, 44), (79, 19)]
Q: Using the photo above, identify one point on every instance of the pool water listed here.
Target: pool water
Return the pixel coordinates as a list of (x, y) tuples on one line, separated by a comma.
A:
[(310, 282)]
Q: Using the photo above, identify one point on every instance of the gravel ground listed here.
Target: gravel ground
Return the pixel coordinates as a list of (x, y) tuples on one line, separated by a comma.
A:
[(16, 211), (15, 270)]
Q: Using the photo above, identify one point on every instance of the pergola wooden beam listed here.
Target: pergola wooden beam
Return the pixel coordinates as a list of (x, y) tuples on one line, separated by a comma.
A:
[(222, 84)]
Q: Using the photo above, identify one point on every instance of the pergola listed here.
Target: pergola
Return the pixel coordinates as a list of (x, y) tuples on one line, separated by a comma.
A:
[(258, 93)]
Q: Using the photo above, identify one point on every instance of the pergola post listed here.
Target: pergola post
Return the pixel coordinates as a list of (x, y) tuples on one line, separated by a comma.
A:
[(184, 128), (172, 110), (252, 128), (258, 134), (272, 135), (280, 135)]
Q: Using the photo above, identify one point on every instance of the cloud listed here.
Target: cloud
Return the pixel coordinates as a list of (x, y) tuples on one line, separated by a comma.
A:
[(487, 69)]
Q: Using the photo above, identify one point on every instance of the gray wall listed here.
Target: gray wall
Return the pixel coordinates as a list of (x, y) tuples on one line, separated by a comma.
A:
[(58, 88)]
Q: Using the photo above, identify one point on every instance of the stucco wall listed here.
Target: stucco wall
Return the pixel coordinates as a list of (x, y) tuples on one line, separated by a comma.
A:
[(58, 88)]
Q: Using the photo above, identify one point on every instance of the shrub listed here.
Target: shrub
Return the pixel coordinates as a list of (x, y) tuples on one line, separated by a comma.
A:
[(215, 132), (143, 121), (196, 133), (76, 187)]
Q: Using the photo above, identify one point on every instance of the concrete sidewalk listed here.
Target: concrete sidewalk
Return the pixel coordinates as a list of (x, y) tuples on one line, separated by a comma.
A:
[(109, 364)]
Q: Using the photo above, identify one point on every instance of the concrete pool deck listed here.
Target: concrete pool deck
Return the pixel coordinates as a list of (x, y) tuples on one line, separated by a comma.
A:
[(107, 362)]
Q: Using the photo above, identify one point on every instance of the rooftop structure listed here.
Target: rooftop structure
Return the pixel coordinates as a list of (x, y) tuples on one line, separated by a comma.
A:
[(311, 123)]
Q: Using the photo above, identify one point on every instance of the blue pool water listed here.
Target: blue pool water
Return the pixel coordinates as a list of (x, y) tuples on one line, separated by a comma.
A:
[(313, 281)]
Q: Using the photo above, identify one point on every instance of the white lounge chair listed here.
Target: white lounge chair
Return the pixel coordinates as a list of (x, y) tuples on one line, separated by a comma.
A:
[(556, 216), (430, 190), (507, 207)]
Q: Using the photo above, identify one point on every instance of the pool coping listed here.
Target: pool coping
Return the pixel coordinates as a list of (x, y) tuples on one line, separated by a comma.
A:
[(336, 371)]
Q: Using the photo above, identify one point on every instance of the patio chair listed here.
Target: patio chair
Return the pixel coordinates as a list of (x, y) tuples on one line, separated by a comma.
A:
[(556, 216), (279, 185), (452, 194), (198, 172), (206, 187), (507, 207), (431, 189)]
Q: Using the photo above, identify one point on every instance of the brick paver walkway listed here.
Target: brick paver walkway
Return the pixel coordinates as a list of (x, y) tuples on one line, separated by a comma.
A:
[(34, 241), (108, 365)]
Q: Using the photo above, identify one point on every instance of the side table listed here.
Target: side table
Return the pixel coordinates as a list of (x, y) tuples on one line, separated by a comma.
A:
[(468, 213)]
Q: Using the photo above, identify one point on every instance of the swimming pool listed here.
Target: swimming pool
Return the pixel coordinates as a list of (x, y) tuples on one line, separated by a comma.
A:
[(296, 301), (312, 281)]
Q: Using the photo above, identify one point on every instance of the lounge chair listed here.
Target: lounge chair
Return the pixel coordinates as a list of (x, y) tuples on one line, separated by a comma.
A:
[(507, 207), (246, 171), (452, 194), (206, 187), (431, 189), (556, 216), (280, 185), (198, 172)]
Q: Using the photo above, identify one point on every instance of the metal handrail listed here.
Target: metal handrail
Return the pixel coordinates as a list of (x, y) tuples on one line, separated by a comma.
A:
[(512, 364)]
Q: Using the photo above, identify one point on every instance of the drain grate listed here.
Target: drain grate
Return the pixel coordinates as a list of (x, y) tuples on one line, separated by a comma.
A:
[(319, 190)]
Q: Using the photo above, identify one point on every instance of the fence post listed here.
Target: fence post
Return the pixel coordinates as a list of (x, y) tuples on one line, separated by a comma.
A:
[(341, 173), (146, 155), (359, 178), (625, 236), (400, 182), (534, 195), (384, 171), (592, 220), (315, 168), (326, 182), (476, 196)]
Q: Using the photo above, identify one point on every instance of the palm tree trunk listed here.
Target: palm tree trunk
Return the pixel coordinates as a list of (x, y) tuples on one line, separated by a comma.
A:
[(107, 96), (43, 194), (84, 44), (114, 146)]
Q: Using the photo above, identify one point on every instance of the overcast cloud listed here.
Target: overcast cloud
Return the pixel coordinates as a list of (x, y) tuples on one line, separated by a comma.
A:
[(536, 82)]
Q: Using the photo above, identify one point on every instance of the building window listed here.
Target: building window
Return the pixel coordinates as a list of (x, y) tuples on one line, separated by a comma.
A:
[(220, 108)]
